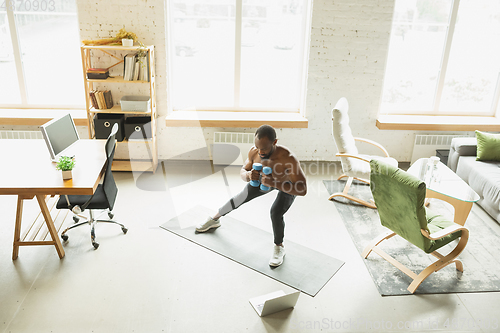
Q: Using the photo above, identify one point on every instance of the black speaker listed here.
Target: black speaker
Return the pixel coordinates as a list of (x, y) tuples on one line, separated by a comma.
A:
[(138, 128), (103, 122)]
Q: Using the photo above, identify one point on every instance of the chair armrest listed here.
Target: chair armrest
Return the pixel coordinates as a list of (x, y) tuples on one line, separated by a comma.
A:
[(373, 143), (446, 231), (352, 156)]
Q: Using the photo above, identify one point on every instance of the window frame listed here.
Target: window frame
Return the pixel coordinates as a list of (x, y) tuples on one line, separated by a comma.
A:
[(305, 40), (441, 76), (21, 80)]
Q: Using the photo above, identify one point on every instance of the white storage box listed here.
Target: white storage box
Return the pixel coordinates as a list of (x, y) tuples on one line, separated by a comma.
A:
[(135, 103)]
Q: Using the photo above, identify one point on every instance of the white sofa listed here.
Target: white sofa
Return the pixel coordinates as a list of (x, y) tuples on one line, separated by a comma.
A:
[(482, 176)]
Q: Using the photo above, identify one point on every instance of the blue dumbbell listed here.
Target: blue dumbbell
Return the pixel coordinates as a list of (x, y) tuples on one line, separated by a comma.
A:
[(258, 167), (266, 171)]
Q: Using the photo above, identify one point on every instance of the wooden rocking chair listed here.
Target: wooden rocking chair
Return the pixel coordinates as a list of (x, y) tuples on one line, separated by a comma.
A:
[(400, 199), (354, 165)]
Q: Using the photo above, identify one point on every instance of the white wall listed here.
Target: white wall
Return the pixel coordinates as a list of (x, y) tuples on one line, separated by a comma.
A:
[(349, 43)]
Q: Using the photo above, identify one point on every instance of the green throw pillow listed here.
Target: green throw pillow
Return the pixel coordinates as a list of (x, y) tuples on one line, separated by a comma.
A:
[(488, 146)]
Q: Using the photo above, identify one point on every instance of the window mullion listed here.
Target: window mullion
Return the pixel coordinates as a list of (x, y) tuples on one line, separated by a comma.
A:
[(446, 55), (237, 51), (496, 98), (17, 52), (306, 45)]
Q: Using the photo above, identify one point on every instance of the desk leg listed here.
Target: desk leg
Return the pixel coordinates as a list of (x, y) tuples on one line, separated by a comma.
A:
[(50, 225), (17, 229)]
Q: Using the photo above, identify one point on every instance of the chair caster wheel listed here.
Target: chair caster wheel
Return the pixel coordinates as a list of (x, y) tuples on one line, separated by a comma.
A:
[(96, 245), (76, 219), (64, 237), (124, 230), (111, 215)]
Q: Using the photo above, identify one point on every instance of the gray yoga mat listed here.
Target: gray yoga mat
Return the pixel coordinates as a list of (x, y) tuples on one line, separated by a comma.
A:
[(303, 269)]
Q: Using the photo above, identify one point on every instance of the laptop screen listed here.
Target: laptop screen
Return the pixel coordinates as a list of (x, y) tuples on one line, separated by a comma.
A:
[(59, 134)]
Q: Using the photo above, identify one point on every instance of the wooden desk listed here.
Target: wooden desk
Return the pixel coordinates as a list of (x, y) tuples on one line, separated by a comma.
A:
[(26, 171)]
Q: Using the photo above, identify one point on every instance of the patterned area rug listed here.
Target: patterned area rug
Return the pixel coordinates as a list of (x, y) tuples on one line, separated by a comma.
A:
[(481, 257)]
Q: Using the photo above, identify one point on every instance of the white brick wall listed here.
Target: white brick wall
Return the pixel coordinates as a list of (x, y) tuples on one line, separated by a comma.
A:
[(349, 42)]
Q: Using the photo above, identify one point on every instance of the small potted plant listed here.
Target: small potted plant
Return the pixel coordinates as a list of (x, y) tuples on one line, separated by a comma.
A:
[(128, 41), (66, 164), (127, 38)]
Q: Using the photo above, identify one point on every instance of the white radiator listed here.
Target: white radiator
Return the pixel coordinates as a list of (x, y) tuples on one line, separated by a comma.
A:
[(21, 135), (231, 148), (426, 145)]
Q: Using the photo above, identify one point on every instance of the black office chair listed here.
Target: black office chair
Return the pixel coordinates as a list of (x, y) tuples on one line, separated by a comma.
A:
[(103, 198)]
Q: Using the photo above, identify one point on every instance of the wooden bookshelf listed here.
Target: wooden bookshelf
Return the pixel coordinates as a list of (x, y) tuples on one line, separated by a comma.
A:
[(86, 50)]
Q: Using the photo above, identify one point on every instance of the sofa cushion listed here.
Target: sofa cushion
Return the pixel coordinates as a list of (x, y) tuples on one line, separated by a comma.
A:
[(461, 147), (482, 177), (488, 146)]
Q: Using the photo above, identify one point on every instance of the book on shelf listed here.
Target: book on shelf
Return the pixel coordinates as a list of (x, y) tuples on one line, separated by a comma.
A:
[(135, 67), (136, 71), (101, 99), (108, 99), (129, 66), (144, 68), (93, 99)]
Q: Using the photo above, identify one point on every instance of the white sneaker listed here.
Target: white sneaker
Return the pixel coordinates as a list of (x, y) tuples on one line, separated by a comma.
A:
[(278, 255), (209, 224)]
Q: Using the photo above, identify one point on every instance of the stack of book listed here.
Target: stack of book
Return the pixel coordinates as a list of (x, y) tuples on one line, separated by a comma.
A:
[(101, 99), (136, 67)]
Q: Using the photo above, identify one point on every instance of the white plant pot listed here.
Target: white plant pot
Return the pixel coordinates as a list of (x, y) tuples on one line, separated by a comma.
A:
[(67, 175), (127, 42)]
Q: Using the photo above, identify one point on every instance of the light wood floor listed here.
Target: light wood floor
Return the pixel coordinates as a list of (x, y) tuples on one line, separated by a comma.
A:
[(151, 280)]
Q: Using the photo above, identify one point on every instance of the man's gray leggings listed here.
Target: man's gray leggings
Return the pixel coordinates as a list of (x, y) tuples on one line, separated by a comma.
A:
[(278, 209)]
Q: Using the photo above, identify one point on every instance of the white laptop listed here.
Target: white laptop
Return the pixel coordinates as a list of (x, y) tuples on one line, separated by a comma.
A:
[(274, 302), (59, 135)]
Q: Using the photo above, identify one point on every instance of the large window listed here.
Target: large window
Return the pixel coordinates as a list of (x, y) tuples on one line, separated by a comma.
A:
[(40, 62), (238, 54), (444, 58)]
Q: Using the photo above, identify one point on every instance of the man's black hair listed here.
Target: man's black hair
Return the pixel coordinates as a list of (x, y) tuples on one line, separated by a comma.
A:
[(266, 131)]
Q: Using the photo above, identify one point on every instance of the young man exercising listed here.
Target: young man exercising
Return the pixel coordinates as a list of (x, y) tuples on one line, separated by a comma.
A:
[(287, 177)]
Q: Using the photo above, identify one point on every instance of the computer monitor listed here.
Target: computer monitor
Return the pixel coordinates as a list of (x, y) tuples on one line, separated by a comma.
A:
[(59, 134)]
